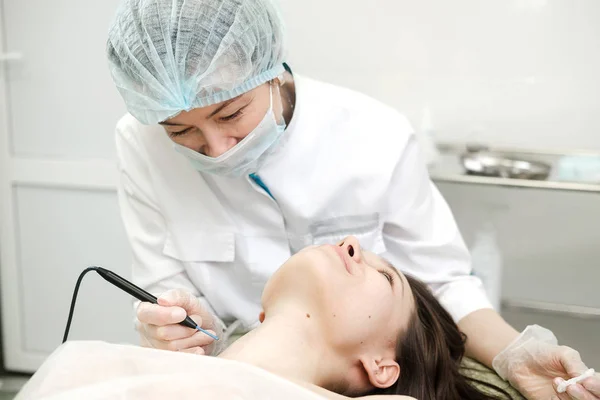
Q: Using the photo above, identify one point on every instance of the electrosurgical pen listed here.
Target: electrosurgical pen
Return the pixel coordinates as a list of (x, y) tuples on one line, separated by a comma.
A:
[(142, 295)]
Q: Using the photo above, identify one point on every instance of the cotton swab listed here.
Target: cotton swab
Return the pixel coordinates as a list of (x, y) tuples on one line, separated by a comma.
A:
[(564, 385)]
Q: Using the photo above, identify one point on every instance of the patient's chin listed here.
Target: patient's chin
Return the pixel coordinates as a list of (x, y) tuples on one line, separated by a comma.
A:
[(308, 268), (300, 287), (309, 281)]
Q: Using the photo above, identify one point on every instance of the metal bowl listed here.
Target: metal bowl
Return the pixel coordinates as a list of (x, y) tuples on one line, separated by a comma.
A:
[(501, 165)]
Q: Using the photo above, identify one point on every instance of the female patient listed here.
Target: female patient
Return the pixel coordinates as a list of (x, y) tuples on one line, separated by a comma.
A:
[(337, 320), (345, 320)]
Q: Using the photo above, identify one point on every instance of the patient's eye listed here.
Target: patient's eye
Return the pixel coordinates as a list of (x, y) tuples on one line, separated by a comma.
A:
[(387, 276)]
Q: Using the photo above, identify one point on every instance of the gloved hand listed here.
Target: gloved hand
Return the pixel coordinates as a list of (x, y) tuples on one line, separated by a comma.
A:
[(534, 364), (158, 324)]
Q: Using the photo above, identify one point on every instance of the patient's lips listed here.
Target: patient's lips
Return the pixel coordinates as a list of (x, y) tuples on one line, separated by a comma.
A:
[(344, 257)]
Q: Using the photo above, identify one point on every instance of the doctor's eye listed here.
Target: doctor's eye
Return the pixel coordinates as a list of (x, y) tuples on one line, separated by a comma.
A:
[(233, 116), (179, 133)]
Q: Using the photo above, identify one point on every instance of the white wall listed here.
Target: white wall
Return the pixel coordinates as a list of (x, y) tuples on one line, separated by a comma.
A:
[(510, 72)]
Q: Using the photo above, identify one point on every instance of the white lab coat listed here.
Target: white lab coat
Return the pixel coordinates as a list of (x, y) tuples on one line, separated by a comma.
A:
[(348, 165)]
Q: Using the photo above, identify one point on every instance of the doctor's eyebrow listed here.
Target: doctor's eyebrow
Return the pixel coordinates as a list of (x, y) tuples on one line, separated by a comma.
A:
[(171, 124), (212, 114), (222, 106)]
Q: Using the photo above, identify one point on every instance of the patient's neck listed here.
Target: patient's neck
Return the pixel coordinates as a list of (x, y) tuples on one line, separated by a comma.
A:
[(288, 345)]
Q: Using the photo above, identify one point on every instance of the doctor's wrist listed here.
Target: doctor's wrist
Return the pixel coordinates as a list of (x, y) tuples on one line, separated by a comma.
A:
[(533, 335)]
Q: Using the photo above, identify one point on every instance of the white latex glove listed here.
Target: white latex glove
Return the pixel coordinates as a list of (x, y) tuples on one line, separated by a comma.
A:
[(158, 324), (535, 365)]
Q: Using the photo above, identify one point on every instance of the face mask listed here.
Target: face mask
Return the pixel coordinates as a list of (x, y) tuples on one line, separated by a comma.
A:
[(247, 156)]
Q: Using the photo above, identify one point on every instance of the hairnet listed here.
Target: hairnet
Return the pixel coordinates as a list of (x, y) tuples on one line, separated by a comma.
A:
[(168, 56)]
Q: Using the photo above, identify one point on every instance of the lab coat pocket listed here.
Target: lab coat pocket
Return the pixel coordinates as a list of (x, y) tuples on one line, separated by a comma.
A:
[(201, 246), (366, 228)]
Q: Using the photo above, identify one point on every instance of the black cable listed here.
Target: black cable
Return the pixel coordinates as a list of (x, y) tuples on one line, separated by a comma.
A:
[(74, 299), (129, 288)]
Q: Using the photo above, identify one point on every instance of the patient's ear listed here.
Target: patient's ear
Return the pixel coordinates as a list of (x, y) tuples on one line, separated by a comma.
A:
[(382, 372), (261, 317)]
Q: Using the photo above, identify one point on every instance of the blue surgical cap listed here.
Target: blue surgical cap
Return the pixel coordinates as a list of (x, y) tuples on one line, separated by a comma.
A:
[(168, 56)]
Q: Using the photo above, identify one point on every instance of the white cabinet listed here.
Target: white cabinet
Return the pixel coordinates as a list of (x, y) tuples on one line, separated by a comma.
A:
[(549, 241), (58, 206)]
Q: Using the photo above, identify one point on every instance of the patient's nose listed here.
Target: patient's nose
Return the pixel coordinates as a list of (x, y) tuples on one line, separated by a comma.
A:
[(352, 247)]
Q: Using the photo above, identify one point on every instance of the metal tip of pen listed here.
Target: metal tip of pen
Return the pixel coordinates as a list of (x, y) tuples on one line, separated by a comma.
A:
[(207, 333)]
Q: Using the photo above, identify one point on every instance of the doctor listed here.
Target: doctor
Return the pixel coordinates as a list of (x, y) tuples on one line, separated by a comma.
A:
[(230, 163)]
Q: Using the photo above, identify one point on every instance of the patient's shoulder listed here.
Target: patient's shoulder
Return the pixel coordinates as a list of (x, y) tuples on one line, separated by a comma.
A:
[(387, 397), (334, 396)]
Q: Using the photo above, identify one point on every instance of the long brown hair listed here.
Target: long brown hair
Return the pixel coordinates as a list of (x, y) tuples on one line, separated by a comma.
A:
[(430, 353)]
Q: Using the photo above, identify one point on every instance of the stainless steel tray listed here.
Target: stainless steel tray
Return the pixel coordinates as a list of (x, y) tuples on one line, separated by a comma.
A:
[(486, 163)]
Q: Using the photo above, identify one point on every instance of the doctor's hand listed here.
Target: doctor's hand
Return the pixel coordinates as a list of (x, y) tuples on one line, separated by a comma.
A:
[(536, 378), (535, 365), (588, 389), (158, 324)]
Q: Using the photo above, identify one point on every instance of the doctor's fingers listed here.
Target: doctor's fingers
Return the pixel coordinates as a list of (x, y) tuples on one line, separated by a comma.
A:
[(561, 396), (181, 298), (199, 339), (168, 332), (592, 384), (578, 392), (571, 361), (154, 314)]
